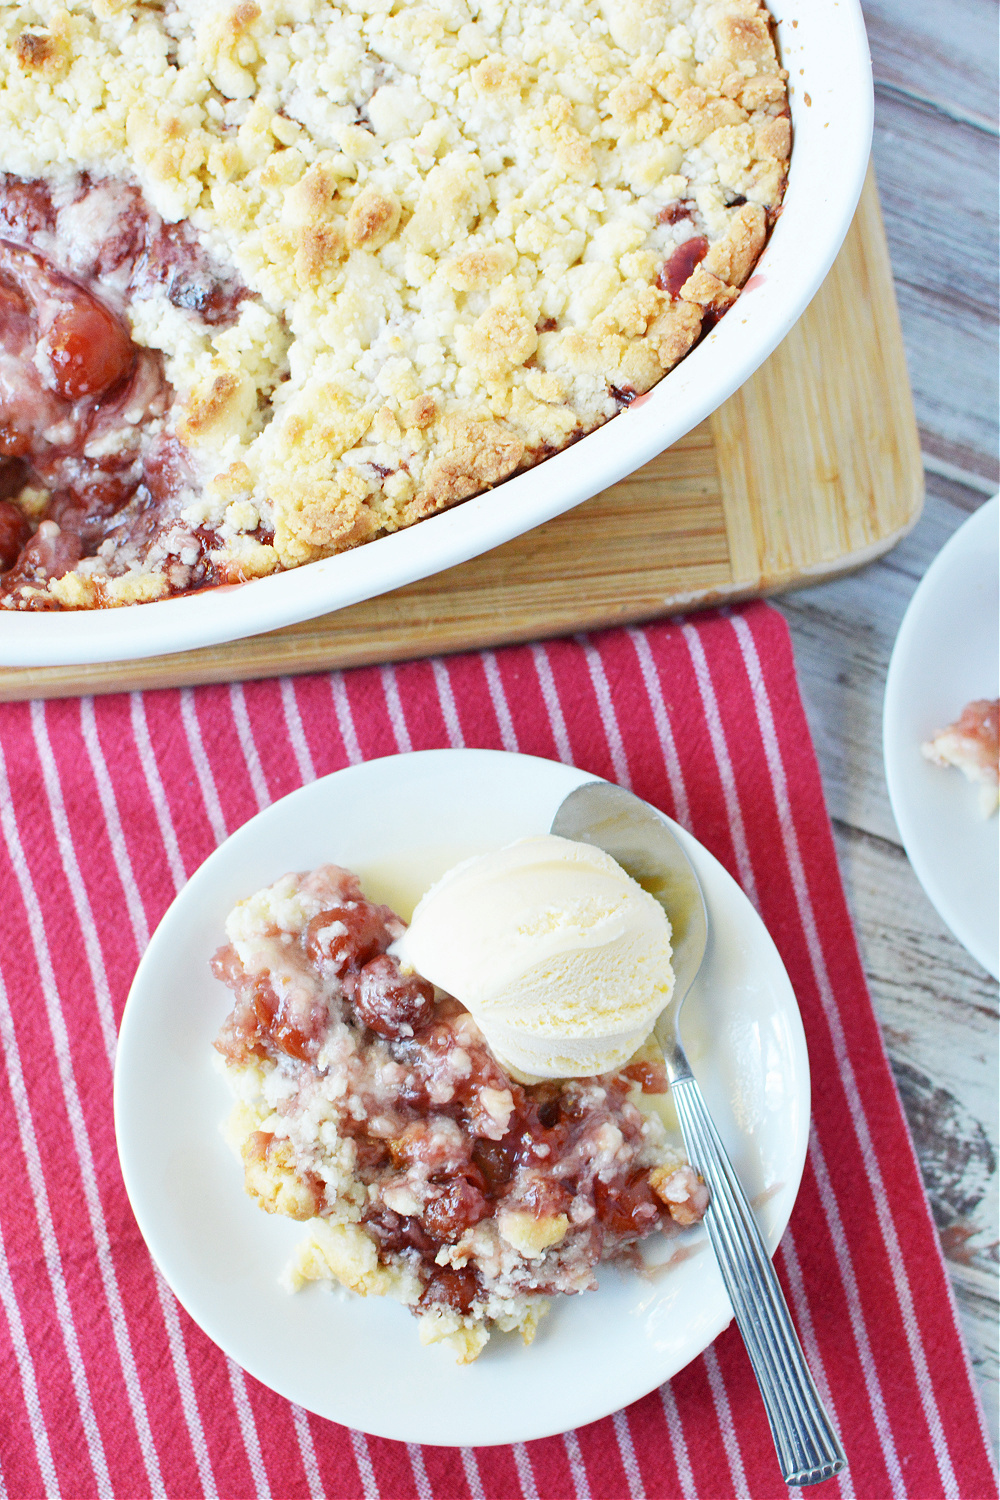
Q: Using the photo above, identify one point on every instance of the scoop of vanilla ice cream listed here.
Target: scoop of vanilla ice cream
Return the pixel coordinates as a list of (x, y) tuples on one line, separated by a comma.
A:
[(562, 958)]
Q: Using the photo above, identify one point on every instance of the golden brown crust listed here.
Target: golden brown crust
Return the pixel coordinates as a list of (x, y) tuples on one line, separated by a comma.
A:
[(318, 248), (480, 268), (746, 37), (708, 291), (673, 331), (774, 138), (372, 219), (420, 412), (233, 483), (213, 406), (498, 341), (269, 1176), (472, 456), (317, 517), (732, 258), (41, 52)]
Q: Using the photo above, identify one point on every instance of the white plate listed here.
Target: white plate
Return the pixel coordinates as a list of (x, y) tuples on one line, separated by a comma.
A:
[(824, 47), (360, 1362), (946, 654)]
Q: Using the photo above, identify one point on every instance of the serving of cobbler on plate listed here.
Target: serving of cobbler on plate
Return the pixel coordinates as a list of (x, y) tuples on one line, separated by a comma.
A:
[(971, 744), (370, 1106), (278, 279)]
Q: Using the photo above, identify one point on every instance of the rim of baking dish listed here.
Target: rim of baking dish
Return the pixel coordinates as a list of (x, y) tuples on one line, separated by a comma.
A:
[(825, 49)]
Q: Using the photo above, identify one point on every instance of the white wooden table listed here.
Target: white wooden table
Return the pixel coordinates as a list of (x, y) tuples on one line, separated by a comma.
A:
[(936, 157)]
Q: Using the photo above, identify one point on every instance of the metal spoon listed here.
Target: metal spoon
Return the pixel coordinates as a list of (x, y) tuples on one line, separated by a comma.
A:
[(645, 845)]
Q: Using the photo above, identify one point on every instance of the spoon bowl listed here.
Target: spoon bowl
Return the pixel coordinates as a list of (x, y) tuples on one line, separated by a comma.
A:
[(642, 842)]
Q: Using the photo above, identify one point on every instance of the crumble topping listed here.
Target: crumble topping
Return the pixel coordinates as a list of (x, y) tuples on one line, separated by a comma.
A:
[(370, 1106), (378, 257)]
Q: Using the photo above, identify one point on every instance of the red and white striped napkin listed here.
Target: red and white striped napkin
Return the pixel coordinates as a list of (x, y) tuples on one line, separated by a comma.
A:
[(108, 805)]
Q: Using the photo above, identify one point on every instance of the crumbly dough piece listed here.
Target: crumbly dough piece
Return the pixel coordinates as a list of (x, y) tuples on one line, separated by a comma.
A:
[(970, 744), (455, 218)]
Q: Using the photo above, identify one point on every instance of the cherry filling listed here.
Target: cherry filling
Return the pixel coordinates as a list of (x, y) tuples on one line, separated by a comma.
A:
[(388, 1002), (15, 532), (674, 212), (622, 395), (678, 267), (83, 407), (443, 1137)]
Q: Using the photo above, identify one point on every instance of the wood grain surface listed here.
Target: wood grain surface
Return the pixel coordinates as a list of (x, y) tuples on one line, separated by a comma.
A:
[(812, 468), (935, 154), (818, 471)]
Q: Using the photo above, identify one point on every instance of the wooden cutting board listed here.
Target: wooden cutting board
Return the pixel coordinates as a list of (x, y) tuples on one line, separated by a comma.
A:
[(811, 469)]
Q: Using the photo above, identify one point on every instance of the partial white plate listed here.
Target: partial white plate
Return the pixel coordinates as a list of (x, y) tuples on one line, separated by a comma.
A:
[(945, 655), (359, 1362)]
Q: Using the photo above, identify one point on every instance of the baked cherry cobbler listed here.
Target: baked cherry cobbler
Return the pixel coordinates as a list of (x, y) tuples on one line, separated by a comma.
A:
[(372, 1107), (277, 279)]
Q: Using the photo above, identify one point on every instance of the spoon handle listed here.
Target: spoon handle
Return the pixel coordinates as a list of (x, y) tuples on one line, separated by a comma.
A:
[(808, 1448)]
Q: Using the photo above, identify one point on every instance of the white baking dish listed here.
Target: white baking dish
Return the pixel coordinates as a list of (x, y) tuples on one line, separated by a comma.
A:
[(824, 48)]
